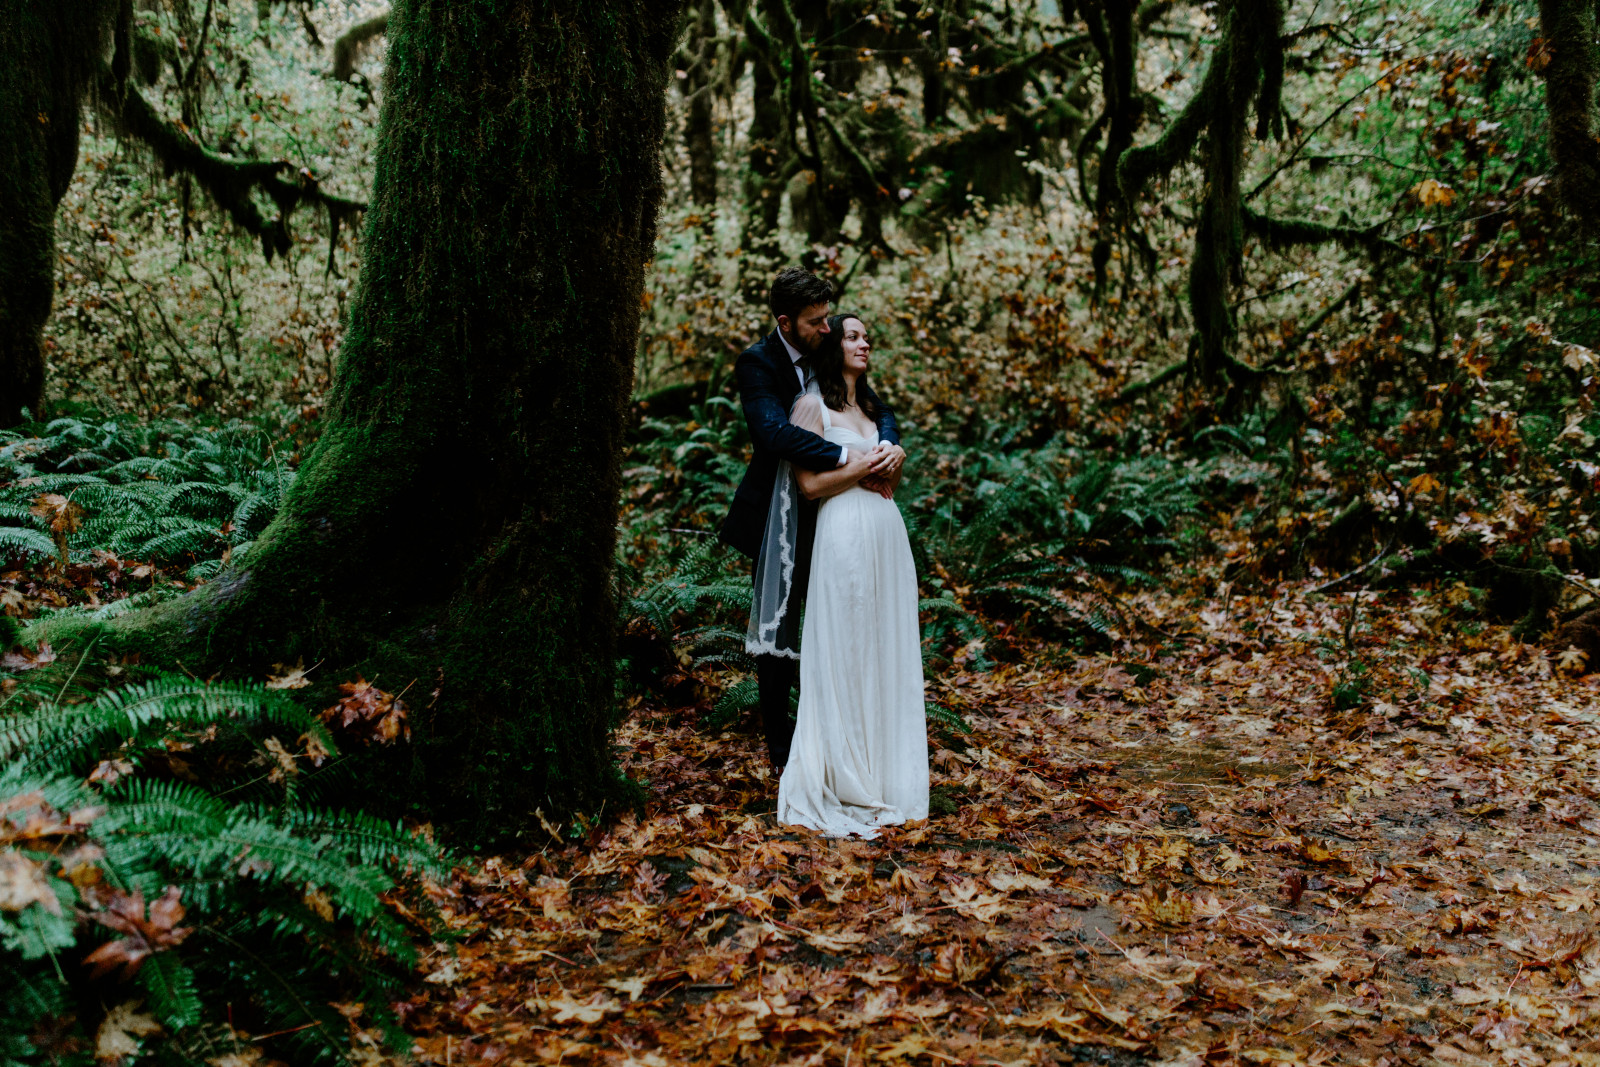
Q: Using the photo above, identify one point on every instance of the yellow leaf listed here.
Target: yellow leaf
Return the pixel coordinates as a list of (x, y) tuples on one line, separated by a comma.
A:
[(119, 1032), (318, 901), (594, 1009), (286, 677), (24, 882), (1007, 882), (1422, 483), (1430, 193), (634, 986), (1577, 357)]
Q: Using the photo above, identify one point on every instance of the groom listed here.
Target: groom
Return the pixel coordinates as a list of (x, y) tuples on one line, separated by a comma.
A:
[(772, 375)]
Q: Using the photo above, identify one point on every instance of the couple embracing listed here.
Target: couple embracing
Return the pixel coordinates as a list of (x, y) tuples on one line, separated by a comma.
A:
[(816, 513)]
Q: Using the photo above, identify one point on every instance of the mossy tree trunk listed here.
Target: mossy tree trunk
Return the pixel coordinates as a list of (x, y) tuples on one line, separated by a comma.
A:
[(767, 168), (453, 529), (47, 49), (1573, 63)]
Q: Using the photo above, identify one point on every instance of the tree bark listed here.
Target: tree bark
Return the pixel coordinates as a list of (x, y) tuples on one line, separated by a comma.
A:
[(47, 48), (1568, 28), (454, 527), (1114, 39)]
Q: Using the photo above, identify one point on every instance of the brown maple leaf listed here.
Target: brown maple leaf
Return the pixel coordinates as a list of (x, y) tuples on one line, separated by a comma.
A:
[(24, 881), (60, 512), (369, 712), (63, 516), (27, 659), (145, 935), (1294, 887)]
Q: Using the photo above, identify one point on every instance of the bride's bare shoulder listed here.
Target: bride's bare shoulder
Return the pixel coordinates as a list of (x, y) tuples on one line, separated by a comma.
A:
[(807, 412)]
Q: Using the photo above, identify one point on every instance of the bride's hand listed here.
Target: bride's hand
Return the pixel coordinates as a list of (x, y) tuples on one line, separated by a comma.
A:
[(887, 460)]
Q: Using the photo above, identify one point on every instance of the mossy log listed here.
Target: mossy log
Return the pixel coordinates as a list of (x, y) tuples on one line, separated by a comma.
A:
[(454, 527)]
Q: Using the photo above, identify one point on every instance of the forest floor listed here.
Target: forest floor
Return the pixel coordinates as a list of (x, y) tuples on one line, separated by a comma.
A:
[(1192, 855)]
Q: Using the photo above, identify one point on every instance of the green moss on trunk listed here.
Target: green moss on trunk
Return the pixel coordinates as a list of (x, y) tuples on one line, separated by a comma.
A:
[(454, 528), (1568, 28), (47, 48)]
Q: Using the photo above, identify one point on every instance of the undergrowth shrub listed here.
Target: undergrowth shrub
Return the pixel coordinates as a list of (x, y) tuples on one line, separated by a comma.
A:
[(170, 883), (170, 493), (1035, 540), (1038, 540)]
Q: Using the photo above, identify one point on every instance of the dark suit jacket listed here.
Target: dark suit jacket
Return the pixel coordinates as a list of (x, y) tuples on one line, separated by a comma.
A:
[(768, 388)]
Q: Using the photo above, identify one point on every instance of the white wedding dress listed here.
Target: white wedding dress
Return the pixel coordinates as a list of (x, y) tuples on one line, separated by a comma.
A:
[(859, 759)]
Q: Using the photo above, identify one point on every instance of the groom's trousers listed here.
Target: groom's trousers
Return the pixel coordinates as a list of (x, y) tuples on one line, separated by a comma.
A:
[(776, 675)]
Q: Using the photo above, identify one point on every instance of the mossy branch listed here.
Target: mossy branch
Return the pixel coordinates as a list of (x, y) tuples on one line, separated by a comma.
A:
[(1150, 12), (228, 180), (1161, 377), (1279, 234), (1139, 165), (348, 44)]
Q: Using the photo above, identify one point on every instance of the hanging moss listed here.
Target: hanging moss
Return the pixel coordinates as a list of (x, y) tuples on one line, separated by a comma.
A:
[(1246, 67), (1111, 28), (453, 529)]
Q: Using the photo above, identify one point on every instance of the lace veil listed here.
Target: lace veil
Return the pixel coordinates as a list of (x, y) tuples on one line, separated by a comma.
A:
[(774, 629)]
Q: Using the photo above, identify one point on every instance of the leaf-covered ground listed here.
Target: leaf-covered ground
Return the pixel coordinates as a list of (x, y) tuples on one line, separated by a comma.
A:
[(1311, 831)]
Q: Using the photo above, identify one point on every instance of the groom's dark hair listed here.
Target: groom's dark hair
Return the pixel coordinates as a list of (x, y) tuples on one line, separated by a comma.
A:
[(795, 289)]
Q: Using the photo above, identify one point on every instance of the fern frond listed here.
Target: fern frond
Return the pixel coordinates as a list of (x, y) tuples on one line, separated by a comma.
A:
[(26, 542)]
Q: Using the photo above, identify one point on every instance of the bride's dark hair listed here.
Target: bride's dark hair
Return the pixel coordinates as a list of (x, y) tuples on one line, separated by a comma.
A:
[(827, 363)]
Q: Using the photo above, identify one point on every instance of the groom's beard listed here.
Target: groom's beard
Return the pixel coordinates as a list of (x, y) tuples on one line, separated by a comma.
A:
[(801, 345)]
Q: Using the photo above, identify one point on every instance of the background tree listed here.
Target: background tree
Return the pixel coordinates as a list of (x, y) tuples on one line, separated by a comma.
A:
[(1569, 59), (56, 54), (48, 56)]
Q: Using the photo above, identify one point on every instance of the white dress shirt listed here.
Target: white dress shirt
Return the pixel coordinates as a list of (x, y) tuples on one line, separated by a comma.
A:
[(800, 372)]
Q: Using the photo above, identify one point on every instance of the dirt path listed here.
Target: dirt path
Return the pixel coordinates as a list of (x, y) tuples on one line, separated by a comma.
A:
[(1191, 858)]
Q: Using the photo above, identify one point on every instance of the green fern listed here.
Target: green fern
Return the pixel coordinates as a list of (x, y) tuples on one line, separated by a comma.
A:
[(286, 901), (737, 699), (165, 492), (21, 541)]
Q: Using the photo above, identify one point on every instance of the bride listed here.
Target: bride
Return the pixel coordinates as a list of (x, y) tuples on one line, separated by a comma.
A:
[(860, 753)]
